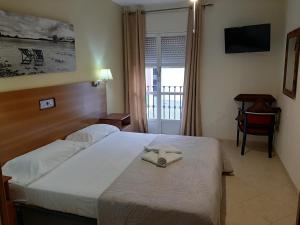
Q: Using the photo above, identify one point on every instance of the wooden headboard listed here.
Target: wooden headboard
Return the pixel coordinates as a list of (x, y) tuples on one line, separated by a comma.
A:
[(24, 127)]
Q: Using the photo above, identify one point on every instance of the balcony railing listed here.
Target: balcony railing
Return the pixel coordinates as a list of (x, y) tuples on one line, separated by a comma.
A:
[(165, 104)]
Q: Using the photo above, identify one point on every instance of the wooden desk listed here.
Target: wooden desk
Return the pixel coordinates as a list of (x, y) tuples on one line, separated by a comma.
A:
[(254, 97)]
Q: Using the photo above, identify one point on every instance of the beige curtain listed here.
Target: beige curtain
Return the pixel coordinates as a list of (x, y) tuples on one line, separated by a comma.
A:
[(134, 66), (191, 120)]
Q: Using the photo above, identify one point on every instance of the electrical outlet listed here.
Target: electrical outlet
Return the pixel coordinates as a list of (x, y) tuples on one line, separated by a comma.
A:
[(47, 103)]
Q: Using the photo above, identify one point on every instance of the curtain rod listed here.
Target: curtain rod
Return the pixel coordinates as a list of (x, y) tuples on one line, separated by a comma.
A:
[(170, 9)]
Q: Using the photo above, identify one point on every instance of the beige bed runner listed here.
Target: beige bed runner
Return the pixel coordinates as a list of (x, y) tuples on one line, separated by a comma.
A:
[(187, 192)]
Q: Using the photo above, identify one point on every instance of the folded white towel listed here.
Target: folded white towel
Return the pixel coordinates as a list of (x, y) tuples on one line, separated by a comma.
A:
[(166, 148), (164, 160), (151, 157)]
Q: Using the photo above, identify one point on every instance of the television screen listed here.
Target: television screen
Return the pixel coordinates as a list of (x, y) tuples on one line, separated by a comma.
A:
[(248, 39)]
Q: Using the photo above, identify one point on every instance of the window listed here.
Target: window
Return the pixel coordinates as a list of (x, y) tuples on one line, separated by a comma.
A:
[(165, 62)]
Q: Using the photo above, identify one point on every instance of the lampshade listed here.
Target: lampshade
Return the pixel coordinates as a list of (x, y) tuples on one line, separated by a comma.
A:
[(105, 75)]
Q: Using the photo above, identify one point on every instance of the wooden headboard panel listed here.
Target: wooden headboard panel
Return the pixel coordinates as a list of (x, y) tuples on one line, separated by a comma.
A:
[(24, 127)]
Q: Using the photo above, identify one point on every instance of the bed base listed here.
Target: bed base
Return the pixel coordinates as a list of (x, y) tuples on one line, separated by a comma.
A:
[(33, 215)]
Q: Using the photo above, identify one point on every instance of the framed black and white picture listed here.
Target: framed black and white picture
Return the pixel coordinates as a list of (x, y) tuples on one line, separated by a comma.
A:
[(34, 45)]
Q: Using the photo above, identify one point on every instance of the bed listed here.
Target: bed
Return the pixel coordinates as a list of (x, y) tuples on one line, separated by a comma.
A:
[(109, 177), (107, 183)]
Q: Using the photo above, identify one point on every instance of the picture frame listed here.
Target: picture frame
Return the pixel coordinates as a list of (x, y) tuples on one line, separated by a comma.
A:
[(291, 63), (35, 45)]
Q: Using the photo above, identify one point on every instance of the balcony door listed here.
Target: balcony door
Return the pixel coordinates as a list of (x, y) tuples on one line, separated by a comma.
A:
[(165, 62)]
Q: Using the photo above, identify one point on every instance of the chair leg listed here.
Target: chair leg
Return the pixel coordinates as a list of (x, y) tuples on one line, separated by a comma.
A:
[(244, 143), (237, 137), (270, 145)]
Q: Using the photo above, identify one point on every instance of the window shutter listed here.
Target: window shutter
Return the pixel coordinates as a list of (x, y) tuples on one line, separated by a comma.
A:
[(173, 50), (150, 52)]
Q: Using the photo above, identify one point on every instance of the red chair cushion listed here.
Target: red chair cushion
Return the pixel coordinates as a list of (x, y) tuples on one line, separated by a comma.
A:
[(257, 124), (260, 119)]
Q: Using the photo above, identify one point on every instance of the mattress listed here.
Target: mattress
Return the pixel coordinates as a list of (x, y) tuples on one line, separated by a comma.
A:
[(75, 186)]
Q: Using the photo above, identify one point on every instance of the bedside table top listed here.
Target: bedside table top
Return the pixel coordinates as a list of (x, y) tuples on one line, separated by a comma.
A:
[(5, 179), (120, 120), (116, 116)]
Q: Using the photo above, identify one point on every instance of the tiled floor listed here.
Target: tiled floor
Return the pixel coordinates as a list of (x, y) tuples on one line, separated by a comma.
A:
[(260, 192)]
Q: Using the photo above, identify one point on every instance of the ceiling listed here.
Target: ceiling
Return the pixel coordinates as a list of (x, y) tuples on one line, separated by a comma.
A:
[(146, 2)]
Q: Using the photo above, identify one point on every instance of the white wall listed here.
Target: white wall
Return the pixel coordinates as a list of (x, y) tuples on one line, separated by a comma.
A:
[(167, 22), (226, 75), (288, 140), (98, 30)]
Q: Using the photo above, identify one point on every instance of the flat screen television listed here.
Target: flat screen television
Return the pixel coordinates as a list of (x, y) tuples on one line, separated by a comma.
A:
[(254, 38)]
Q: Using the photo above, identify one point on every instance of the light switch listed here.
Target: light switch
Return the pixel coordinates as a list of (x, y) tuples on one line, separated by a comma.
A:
[(47, 103)]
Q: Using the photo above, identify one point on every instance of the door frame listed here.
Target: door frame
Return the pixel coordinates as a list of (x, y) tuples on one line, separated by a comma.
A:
[(158, 123)]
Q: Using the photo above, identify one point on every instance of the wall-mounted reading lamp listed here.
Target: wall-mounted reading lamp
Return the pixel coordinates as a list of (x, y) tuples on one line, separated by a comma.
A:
[(103, 75)]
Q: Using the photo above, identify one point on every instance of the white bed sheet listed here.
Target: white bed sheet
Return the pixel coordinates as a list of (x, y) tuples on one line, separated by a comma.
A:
[(75, 186)]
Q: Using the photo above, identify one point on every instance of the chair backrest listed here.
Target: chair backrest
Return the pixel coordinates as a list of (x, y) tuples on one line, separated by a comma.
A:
[(38, 52), (25, 51)]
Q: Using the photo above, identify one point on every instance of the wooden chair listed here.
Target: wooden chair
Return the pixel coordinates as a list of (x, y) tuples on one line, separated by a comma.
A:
[(26, 55), (255, 123), (38, 57)]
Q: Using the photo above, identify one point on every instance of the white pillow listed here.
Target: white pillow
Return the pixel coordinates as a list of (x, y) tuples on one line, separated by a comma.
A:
[(27, 168), (93, 133)]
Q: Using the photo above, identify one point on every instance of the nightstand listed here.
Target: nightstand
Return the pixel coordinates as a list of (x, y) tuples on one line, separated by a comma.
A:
[(120, 120), (8, 210), (5, 180)]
